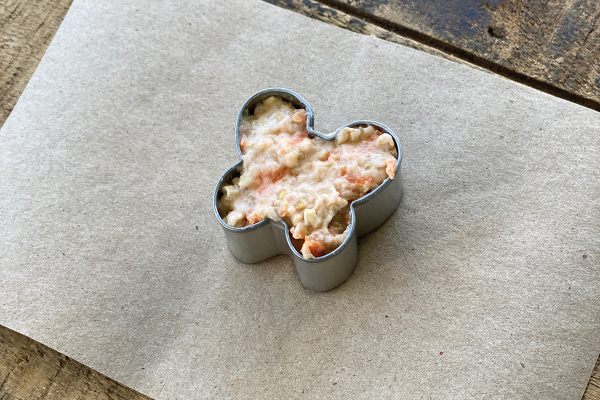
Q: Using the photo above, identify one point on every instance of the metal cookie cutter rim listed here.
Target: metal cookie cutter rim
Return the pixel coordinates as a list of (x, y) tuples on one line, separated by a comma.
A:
[(265, 239)]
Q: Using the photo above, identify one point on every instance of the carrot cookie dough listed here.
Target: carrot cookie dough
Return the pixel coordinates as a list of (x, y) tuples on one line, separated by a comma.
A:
[(306, 181)]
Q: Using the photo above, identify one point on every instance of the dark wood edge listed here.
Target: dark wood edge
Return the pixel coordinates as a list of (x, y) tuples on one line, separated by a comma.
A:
[(357, 20)]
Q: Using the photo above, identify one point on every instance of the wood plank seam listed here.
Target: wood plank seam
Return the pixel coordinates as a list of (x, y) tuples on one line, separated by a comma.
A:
[(333, 7)]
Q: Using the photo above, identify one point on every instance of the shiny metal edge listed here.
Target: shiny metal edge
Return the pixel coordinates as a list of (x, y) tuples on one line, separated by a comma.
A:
[(297, 100)]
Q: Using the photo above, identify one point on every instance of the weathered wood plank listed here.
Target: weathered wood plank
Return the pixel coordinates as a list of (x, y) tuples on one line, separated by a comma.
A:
[(26, 29), (592, 392), (29, 370), (551, 45), (335, 17)]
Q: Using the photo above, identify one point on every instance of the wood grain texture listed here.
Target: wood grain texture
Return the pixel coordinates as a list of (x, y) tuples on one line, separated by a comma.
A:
[(551, 45), (26, 29), (592, 391), (324, 13), (29, 370)]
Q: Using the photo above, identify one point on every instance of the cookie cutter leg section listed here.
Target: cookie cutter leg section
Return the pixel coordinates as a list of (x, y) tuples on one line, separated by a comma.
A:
[(249, 245), (254, 245), (321, 275)]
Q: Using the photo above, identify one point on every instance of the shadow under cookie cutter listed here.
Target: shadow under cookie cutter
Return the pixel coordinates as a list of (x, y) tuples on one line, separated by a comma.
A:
[(269, 238)]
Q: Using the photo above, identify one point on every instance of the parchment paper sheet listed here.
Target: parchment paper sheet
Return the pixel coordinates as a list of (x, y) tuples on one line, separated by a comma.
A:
[(483, 284)]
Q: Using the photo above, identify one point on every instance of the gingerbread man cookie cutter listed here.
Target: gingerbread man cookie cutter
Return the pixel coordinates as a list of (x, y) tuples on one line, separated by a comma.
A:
[(269, 238)]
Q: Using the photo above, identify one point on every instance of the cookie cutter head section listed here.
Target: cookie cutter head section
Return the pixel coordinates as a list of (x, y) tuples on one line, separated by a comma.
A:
[(269, 238)]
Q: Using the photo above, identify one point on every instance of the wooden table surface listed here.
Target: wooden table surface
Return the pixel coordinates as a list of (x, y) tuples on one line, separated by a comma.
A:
[(551, 45)]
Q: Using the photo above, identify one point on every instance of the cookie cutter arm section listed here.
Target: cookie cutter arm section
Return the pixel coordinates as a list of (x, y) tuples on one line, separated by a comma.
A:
[(377, 209)]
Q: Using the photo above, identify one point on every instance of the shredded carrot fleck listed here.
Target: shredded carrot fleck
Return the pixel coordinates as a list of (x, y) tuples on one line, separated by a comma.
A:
[(299, 116), (291, 143), (391, 167), (253, 219), (366, 181), (317, 249), (278, 174)]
